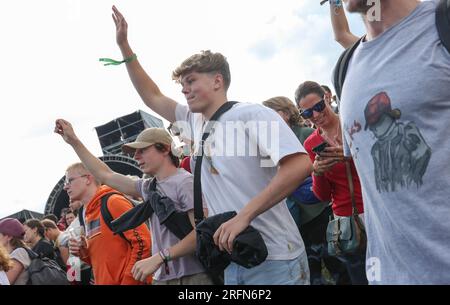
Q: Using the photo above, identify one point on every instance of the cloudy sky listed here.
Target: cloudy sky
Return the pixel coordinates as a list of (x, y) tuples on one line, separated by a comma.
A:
[(50, 69)]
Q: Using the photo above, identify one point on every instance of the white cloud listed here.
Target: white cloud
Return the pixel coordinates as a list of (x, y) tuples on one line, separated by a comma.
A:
[(50, 69)]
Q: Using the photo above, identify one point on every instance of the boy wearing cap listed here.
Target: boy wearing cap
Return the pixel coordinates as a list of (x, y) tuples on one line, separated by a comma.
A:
[(173, 260), (11, 238), (252, 184)]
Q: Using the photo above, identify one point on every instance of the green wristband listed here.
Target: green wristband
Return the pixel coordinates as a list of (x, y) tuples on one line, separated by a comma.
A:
[(113, 62)]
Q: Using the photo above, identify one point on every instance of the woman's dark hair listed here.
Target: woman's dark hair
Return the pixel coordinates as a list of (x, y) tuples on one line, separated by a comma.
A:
[(163, 148), (51, 217), (307, 88), (35, 223), (326, 88), (17, 242), (64, 211), (70, 211)]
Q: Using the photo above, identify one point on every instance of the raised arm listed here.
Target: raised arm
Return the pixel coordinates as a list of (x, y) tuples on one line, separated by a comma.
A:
[(341, 29), (144, 85), (95, 166)]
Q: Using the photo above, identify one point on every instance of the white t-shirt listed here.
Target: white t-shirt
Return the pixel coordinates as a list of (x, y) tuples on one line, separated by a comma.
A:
[(21, 256), (238, 166), (3, 278), (63, 238)]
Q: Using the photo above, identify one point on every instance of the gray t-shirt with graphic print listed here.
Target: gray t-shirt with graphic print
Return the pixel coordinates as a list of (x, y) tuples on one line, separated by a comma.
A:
[(395, 110), (179, 188)]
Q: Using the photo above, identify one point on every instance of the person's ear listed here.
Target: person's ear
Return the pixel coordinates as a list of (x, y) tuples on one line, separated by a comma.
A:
[(218, 81), (90, 179)]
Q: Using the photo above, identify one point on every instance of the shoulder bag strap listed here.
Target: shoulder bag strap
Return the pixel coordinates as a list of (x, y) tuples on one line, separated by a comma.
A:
[(443, 22), (351, 187), (198, 200)]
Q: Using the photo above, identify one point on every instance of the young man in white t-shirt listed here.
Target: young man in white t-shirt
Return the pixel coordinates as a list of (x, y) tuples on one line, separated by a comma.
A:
[(252, 178)]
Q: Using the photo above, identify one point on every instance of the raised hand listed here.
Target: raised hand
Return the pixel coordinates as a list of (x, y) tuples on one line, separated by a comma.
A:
[(64, 128), (121, 27)]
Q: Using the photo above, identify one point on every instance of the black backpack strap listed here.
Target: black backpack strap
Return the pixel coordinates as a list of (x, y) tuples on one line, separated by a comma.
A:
[(31, 253), (198, 200), (81, 216), (106, 214), (153, 184), (340, 70), (443, 22)]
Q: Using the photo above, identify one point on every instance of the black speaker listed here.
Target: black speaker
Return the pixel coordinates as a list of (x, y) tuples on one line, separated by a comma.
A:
[(125, 129)]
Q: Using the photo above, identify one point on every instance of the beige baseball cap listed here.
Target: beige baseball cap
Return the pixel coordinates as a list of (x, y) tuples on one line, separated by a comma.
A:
[(148, 137)]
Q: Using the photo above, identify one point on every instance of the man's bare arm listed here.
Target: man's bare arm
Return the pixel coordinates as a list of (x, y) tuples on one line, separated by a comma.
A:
[(144, 85), (341, 28)]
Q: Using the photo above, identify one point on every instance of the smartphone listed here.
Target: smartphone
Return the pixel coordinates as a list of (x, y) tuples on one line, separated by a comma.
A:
[(320, 148)]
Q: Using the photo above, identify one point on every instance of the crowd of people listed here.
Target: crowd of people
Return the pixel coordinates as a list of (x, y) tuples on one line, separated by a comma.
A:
[(297, 164)]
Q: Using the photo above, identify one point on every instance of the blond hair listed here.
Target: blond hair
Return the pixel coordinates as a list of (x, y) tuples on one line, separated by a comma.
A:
[(285, 105), (5, 260), (205, 62), (82, 170)]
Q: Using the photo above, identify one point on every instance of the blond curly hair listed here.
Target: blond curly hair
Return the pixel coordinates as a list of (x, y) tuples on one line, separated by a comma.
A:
[(5, 260), (285, 105)]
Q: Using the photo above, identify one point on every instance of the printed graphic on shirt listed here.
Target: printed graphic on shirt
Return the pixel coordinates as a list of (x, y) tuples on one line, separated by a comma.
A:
[(355, 128), (400, 153), (93, 228)]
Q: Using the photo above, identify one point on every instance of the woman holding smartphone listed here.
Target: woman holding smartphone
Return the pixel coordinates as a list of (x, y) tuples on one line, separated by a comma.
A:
[(331, 174)]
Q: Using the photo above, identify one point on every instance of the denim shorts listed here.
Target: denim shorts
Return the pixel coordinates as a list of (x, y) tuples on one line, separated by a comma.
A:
[(270, 272)]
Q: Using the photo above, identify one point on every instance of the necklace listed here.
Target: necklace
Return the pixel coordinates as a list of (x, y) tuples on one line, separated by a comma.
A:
[(336, 139)]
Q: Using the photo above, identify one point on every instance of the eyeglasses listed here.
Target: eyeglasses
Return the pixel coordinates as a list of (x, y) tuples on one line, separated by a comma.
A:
[(70, 180), (308, 113)]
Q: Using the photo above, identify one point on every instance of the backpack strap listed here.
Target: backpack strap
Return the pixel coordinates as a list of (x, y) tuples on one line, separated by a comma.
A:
[(198, 200), (106, 214), (340, 70), (31, 253), (443, 22), (152, 186), (81, 216)]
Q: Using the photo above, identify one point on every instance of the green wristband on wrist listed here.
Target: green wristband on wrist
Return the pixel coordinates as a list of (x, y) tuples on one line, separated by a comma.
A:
[(113, 62)]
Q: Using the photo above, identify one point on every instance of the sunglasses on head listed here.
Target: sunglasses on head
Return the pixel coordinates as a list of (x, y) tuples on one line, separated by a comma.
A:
[(308, 113)]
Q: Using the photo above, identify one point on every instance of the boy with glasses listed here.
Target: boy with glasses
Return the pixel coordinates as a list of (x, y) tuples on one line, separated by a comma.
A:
[(111, 256)]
